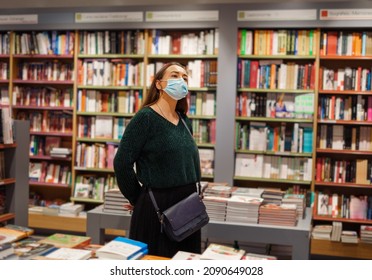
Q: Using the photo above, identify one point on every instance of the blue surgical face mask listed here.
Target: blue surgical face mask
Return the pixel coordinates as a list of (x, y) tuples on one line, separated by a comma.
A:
[(176, 88)]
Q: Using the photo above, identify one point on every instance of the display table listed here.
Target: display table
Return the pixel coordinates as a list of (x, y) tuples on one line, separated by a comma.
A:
[(98, 221), (298, 237)]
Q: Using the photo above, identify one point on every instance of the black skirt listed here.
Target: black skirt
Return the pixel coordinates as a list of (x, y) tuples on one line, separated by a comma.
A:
[(145, 225)]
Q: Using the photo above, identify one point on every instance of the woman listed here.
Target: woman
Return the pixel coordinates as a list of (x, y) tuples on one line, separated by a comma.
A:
[(166, 158)]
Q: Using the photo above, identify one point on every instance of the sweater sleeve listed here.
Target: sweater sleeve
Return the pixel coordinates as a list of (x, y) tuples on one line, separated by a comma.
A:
[(129, 149)]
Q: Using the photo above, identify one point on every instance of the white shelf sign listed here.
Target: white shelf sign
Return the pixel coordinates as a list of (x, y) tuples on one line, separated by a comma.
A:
[(108, 17), (345, 14), (287, 15), (157, 16), (19, 19)]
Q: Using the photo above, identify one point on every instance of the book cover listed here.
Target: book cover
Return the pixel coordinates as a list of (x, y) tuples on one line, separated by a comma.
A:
[(221, 252), (10, 235), (67, 254), (66, 240), (121, 248), (6, 250), (30, 248), (182, 255), (50, 143)]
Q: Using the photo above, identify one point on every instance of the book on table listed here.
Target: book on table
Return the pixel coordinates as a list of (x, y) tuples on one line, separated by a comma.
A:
[(64, 253), (122, 248), (221, 252), (29, 248), (66, 240), (8, 235)]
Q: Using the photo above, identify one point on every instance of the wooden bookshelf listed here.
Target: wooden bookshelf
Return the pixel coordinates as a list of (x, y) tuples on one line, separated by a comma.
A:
[(339, 249)]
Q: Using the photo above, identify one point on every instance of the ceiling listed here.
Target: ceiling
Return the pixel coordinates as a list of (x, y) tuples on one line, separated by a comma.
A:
[(22, 4)]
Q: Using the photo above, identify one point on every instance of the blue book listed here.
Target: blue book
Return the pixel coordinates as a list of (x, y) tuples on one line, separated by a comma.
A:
[(122, 248)]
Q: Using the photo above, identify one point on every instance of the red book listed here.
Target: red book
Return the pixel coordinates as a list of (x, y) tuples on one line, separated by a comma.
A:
[(253, 74), (332, 43)]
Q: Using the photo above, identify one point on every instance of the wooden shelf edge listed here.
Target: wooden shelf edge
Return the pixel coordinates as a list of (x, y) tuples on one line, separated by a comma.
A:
[(6, 217), (74, 224), (339, 249)]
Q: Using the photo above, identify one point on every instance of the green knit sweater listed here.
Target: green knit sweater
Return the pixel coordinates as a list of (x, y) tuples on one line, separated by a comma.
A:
[(165, 154)]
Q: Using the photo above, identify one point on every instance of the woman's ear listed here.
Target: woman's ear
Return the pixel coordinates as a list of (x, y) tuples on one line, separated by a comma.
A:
[(158, 85)]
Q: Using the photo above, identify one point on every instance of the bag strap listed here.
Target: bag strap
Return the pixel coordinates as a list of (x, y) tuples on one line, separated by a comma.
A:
[(158, 212), (198, 185), (184, 123)]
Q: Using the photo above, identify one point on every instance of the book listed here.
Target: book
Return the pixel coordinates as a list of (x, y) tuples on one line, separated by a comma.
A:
[(66, 240), (29, 248), (10, 235), (51, 142), (66, 254), (6, 250), (252, 256), (122, 248), (28, 231), (182, 255), (221, 252)]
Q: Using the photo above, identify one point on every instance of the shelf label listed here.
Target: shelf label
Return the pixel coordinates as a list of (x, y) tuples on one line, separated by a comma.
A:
[(158, 16), (345, 14), (19, 19), (264, 15), (108, 17)]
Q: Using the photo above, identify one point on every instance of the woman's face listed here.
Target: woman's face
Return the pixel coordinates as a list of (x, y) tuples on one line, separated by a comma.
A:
[(174, 72)]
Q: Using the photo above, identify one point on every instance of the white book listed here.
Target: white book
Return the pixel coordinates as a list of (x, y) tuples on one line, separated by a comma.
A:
[(121, 248), (104, 127), (182, 255), (221, 252), (69, 254)]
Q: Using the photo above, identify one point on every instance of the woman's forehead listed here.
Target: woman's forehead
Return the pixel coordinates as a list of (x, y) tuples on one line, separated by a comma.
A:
[(177, 69)]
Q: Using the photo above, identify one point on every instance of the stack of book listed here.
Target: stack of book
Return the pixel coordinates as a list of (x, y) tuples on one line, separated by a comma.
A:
[(70, 209), (115, 202), (273, 196), (336, 231), (60, 152), (243, 209), (282, 215), (122, 248), (215, 199), (218, 190), (349, 236), (299, 200), (365, 234), (216, 207), (322, 232), (250, 192)]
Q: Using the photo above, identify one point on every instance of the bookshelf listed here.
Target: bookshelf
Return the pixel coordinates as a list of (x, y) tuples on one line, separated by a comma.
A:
[(343, 148), (274, 108), (110, 88), (42, 92), (14, 184), (197, 49)]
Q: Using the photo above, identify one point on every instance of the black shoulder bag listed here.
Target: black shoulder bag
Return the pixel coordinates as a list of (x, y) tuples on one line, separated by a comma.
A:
[(185, 217)]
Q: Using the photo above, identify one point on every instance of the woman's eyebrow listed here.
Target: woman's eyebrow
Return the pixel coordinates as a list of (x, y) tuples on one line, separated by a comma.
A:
[(178, 72)]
